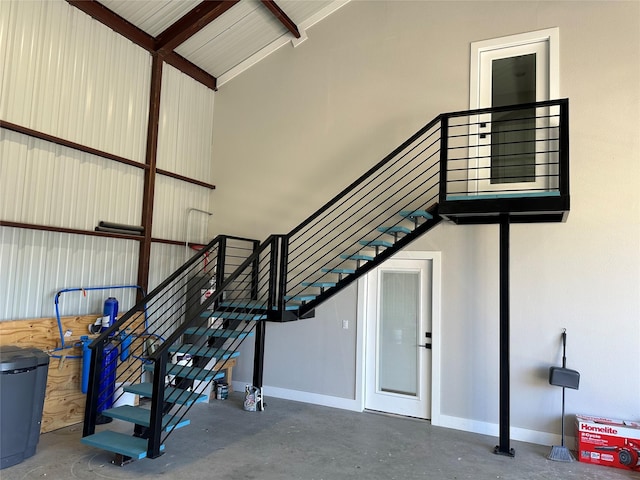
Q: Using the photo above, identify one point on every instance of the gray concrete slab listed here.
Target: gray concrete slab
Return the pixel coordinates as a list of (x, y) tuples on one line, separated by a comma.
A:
[(292, 440)]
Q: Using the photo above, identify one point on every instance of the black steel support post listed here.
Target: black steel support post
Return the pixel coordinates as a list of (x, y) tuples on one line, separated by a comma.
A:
[(503, 448), (93, 387), (157, 406), (258, 356)]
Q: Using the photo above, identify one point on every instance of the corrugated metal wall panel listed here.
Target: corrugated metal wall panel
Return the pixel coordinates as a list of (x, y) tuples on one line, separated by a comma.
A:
[(166, 259), (69, 76), (173, 199), (185, 135), (46, 184), (35, 265), (72, 77)]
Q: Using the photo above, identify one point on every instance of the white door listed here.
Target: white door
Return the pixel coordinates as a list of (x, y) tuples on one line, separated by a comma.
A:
[(398, 326), (511, 150)]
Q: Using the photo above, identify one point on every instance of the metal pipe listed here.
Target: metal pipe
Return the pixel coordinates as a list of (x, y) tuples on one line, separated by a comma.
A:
[(187, 231)]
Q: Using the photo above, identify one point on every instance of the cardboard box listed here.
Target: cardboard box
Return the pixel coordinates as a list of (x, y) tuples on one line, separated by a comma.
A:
[(610, 442)]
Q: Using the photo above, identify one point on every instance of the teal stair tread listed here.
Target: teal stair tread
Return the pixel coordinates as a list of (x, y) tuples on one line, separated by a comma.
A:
[(376, 243), (357, 256), (171, 394), (216, 332), (235, 316), (394, 229), (493, 196), (416, 213), (192, 373), (319, 284), (255, 305), (122, 443), (141, 416), (300, 298), (343, 271), (201, 351)]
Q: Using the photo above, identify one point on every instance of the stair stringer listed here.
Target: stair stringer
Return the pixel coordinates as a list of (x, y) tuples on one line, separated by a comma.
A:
[(402, 243)]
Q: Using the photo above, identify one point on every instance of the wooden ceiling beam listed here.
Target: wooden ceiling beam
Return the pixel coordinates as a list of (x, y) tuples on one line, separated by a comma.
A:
[(273, 7), (191, 23)]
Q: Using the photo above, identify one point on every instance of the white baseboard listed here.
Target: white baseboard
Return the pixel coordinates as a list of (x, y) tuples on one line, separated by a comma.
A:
[(305, 397), (446, 421), (493, 429)]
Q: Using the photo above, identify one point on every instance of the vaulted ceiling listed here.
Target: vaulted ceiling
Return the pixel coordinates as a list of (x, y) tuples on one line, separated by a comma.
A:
[(212, 41)]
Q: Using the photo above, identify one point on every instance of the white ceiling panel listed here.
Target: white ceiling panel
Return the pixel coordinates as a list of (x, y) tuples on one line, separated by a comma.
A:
[(243, 35), (228, 41), (152, 16)]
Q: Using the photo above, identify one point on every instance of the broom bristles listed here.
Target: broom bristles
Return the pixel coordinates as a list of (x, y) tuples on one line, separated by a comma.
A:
[(560, 454)]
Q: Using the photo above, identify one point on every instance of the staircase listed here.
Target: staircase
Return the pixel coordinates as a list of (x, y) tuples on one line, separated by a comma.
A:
[(177, 340)]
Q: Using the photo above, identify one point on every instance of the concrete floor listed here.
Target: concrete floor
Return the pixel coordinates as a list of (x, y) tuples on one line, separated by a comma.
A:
[(291, 440)]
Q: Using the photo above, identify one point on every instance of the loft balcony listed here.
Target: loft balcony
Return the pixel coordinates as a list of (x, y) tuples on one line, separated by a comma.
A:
[(507, 160)]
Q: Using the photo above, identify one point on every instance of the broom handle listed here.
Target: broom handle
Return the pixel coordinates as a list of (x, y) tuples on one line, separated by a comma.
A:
[(562, 416), (564, 365)]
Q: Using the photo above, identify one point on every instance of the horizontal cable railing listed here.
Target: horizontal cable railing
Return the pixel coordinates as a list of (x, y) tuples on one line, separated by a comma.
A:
[(121, 355), (516, 150), (214, 301), (230, 313), (407, 179)]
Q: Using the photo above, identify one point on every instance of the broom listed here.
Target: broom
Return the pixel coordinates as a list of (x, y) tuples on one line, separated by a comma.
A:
[(565, 378)]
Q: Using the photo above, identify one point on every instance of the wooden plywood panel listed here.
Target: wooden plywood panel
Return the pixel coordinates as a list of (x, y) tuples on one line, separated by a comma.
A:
[(64, 401)]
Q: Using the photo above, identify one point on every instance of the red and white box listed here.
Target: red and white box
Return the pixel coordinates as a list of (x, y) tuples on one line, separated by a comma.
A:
[(610, 442)]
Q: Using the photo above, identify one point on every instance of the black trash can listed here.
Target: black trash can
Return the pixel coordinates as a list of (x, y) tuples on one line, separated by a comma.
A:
[(23, 382)]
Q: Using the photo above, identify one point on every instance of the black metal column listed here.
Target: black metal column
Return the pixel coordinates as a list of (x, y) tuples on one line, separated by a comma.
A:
[(503, 448), (258, 355)]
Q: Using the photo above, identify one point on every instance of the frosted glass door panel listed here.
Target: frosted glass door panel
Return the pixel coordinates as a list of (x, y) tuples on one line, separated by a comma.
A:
[(398, 332)]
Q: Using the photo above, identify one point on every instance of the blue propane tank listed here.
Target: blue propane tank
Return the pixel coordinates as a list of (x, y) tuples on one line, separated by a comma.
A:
[(110, 310), (107, 377)]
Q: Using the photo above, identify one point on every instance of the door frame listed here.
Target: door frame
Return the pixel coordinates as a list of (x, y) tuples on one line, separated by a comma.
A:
[(549, 35), (436, 294)]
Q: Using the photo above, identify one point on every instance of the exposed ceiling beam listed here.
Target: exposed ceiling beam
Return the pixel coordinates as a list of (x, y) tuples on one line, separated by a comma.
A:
[(188, 68), (128, 30), (273, 7), (191, 23), (115, 22)]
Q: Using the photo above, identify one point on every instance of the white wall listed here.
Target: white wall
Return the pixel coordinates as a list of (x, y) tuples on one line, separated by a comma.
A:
[(293, 130), (69, 76)]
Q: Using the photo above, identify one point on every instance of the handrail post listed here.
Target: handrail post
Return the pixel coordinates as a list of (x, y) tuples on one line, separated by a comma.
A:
[(444, 153), (272, 300), (220, 262), (255, 273), (157, 406), (91, 405), (284, 261), (564, 147)]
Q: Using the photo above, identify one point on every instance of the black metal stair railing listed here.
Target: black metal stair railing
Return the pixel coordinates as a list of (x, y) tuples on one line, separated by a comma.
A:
[(245, 299), (499, 157), (121, 354), (405, 180), (517, 152)]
